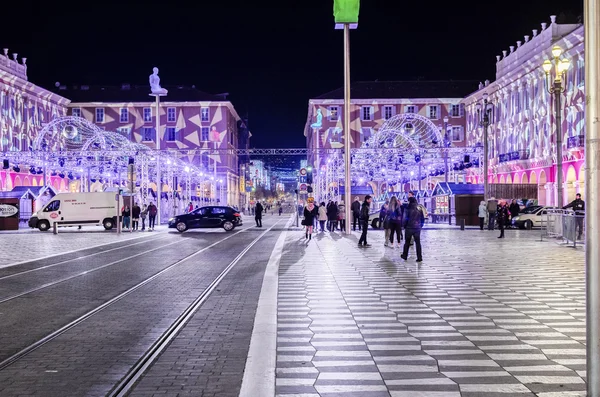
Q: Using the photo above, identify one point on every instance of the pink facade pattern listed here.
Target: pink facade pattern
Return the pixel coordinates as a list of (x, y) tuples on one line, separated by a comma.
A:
[(522, 134)]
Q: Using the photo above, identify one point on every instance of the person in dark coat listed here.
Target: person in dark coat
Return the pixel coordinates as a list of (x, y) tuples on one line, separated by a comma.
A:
[(258, 214), (135, 216), (310, 212), (355, 207), (332, 216), (502, 215), (413, 221), (578, 205), (152, 211), (364, 221), (394, 215), (514, 209)]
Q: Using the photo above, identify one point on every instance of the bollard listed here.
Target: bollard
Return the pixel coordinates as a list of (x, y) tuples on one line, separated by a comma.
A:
[(54, 228), (462, 224)]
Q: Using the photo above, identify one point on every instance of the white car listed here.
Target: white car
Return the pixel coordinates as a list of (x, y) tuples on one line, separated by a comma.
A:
[(531, 217)]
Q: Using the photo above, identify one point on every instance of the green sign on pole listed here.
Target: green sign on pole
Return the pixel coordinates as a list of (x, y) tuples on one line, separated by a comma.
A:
[(346, 11)]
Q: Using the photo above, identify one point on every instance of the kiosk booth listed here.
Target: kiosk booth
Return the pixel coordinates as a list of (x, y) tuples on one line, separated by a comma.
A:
[(456, 200)]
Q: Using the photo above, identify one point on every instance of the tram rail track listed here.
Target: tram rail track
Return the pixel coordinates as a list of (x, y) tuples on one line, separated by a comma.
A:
[(53, 335), (44, 267)]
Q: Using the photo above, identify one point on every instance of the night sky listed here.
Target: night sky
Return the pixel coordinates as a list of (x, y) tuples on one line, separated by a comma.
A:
[(271, 56)]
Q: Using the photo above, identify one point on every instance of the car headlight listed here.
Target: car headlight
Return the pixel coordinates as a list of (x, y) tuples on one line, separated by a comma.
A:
[(516, 218), (171, 219)]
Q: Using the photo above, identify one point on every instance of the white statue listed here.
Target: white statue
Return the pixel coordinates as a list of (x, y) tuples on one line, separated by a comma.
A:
[(155, 83)]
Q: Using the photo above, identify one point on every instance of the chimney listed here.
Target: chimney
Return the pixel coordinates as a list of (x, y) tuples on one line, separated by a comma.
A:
[(534, 32), (24, 60), (5, 52), (512, 49), (504, 53), (544, 25), (526, 39), (519, 44), (553, 19), (498, 58), (15, 56), (487, 82), (480, 85)]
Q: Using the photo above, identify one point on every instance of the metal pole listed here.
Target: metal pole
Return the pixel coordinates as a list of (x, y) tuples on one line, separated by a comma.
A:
[(215, 174), (486, 160), (592, 192), (158, 182), (347, 182), (559, 159)]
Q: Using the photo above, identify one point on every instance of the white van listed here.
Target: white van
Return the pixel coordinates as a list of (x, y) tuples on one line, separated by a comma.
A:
[(78, 209)]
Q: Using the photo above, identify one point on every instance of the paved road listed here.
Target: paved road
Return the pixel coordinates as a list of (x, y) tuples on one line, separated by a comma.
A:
[(40, 297)]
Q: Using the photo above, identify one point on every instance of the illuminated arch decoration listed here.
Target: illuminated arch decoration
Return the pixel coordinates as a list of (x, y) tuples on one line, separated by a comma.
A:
[(408, 131)]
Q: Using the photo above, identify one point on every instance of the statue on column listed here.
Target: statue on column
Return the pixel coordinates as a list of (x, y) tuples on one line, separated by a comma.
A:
[(155, 83), (319, 121)]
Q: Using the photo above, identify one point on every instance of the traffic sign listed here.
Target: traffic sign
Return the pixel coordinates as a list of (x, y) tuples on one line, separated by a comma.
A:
[(303, 172), (303, 188)]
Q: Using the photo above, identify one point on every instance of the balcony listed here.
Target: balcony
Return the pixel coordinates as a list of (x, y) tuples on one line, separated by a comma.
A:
[(577, 141), (512, 156)]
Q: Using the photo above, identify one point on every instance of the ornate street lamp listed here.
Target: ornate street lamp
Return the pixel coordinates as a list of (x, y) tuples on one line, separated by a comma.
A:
[(556, 88), (483, 109)]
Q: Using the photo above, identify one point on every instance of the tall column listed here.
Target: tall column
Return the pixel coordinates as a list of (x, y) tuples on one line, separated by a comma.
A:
[(347, 181), (158, 176), (592, 184)]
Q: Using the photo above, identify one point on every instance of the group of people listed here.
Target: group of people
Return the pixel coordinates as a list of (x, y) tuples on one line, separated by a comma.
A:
[(394, 216), (498, 211), (410, 217), (131, 216)]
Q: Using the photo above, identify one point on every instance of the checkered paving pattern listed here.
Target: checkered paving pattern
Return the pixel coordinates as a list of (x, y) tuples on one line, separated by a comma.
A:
[(479, 317)]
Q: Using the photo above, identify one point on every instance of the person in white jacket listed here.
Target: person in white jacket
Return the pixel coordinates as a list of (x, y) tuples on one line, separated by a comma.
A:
[(322, 216), (482, 214)]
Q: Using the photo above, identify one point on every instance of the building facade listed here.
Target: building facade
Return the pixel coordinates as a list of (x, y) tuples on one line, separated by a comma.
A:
[(189, 119), (522, 135), (24, 109), (374, 103)]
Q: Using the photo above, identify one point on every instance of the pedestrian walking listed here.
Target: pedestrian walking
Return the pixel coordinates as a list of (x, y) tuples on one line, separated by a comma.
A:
[(514, 208), (578, 205), (364, 220), (332, 214), (342, 216), (190, 207), (310, 211), (413, 221), (126, 214), (281, 210), (135, 216), (503, 215), (322, 215), (383, 212), (394, 215), (355, 207), (152, 211), (482, 214), (143, 216), (492, 208), (258, 210)]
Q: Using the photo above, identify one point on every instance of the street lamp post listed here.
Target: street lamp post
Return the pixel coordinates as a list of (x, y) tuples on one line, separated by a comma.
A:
[(484, 121), (556, 88), (446, 146)]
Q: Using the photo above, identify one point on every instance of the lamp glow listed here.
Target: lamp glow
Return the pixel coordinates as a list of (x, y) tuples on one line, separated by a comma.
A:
[(547, 66), (556, 51), (563, 66)]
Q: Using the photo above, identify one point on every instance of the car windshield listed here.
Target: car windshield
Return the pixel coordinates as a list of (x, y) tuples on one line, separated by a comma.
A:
[(531, 210)]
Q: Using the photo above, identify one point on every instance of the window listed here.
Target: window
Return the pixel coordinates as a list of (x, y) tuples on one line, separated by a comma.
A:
[(366, 113), (410, 109), (99, 115), (76, 112), (124, 115), (388, 112), (205, 114), (457, 134), (171, 115), (455, 110), (200, 211), (333, 113), (204, 134), (219, 210), (204, 160), (434, 113), (124, 131), (366, 133), (171, 134), (147, 134), (147, 115), (53, 206)]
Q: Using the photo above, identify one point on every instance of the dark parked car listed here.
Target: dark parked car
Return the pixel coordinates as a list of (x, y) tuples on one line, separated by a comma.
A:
[(207, 217)]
